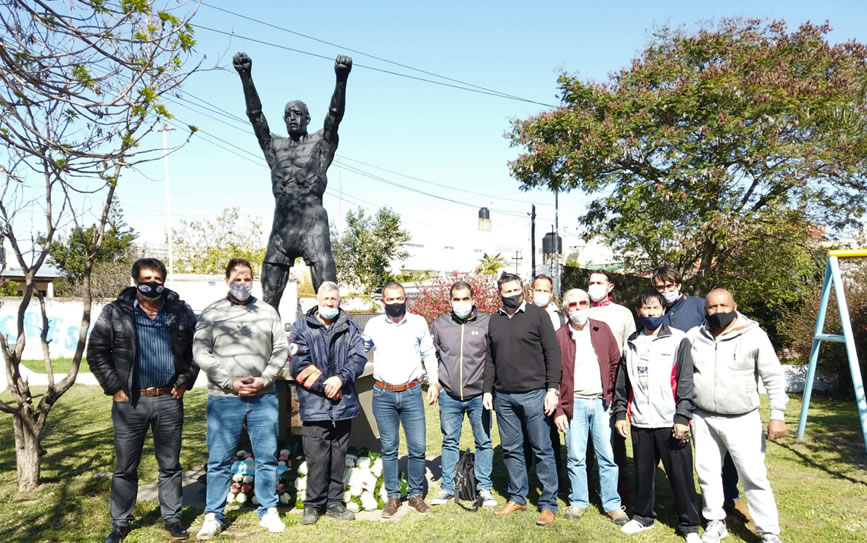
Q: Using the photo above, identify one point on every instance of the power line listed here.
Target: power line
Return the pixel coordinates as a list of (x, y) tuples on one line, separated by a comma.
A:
[(401, 65), (381, 70)]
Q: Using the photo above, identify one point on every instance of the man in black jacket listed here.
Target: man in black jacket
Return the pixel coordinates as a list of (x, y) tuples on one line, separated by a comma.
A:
[(329, 358), (524, 371), (140, 351)]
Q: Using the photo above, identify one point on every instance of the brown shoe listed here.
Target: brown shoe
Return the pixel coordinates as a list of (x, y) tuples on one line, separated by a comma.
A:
[(618, 516), (417, 503), (738, 510), (546, 518), (509, 508), (391, 507)]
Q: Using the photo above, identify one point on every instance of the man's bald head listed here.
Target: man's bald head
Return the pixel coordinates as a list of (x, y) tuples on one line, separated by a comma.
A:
[(719, 300)]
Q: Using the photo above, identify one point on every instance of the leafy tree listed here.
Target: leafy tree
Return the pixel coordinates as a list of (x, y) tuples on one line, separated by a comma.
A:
[(491, 264), (364, 252), (714, 151), (80, 86), (111, 263), (206, 246)]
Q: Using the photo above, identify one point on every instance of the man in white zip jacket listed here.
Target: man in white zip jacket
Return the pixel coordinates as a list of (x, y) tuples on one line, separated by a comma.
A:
[(729, 351)]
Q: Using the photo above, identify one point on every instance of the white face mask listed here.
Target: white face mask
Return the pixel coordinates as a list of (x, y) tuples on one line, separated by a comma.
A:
[(671, 296), (541, 299), (240, 291), (462, 309), (597, 292), (579, 317)]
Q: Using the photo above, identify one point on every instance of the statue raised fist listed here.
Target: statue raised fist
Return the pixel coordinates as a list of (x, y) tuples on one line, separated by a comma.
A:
[(242, 63), (342, 66)]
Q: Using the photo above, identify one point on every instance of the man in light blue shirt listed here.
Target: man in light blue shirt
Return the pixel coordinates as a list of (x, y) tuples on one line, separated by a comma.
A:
[(402, 342)]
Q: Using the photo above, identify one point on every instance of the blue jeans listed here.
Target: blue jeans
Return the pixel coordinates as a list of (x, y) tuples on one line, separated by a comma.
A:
[(451, 419), (590, 419), (529, 407), (226, 417), (390, 410)]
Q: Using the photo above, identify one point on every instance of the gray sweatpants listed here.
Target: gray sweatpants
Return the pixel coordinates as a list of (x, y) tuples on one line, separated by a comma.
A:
[(743, 437)]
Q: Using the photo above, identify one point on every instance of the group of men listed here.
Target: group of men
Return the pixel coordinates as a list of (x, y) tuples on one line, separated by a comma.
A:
[(580, 369)]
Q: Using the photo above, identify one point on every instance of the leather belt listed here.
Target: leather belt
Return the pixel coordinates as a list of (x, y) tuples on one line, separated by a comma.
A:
[(155, 391), (397, 388)]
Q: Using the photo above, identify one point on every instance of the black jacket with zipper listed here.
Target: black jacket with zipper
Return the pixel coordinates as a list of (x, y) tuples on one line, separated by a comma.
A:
[(462, 351), (113, 345)]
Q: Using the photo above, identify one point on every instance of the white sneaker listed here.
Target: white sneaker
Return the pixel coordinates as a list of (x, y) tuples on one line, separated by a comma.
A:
[(692, 538), (771, 538), (271, 520), (210, 528), (716, 530), (442, 498), (634, 527), (487, 498)]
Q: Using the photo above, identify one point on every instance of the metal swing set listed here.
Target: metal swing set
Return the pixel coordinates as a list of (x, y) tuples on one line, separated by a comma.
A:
[(834, 278)]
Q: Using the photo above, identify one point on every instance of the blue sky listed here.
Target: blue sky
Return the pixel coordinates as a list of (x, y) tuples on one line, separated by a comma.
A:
[(438, 134)]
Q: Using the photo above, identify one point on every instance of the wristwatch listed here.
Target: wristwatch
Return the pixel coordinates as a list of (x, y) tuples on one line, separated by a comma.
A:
[(555, 391)]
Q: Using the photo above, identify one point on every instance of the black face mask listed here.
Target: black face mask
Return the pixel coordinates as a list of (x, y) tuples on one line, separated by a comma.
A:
[(395, 310), (720, 321), (150, 290), (513, 301)]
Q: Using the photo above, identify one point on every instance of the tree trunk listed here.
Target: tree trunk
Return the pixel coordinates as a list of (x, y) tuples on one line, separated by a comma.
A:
[(27, 453)]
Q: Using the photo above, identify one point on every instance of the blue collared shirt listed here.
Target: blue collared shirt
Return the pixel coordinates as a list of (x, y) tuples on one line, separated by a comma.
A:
[(154, 356), (400, 349)]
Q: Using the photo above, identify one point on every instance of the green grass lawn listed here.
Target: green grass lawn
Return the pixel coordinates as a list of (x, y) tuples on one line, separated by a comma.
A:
[(820, 485), (58, 365)]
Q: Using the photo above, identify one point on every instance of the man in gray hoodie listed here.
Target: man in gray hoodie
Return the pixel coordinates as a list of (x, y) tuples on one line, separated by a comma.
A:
[(729, 351), (240, 344)]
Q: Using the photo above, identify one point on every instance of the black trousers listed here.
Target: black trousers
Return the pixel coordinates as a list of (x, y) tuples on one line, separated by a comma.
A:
[(649, 446), (325, 445), (164, 415)]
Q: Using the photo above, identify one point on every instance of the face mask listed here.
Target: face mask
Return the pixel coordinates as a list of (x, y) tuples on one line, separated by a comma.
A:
[(513, 301), (541, 299), (150, 290), (395, 310), (651, 323), (597, 292), (328, 313), (462, 309), (720, 321), (579, 317), (671, 296), (240, 291)]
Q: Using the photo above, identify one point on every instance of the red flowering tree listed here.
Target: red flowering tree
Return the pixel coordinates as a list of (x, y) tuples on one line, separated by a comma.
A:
[(433, 300)]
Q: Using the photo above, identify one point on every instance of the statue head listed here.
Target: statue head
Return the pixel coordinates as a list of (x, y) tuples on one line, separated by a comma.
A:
[(296, 116)]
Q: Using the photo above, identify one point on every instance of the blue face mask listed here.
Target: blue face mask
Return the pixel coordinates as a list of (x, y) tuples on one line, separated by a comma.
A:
[(651, 323), (328, 312)]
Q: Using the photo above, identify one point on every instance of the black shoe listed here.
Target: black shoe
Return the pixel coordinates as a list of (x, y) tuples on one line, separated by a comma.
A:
[(339, 511), (177, 530), (310, 516), (117, 534)]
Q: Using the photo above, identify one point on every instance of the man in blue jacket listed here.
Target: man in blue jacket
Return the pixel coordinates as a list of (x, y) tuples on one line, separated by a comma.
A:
[(329, 358)]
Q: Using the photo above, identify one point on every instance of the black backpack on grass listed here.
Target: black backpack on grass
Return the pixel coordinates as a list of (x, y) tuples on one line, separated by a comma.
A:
[(465, 481)]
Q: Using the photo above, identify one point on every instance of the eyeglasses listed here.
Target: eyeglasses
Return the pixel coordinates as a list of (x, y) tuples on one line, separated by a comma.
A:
[(667, 287), (575, 305)]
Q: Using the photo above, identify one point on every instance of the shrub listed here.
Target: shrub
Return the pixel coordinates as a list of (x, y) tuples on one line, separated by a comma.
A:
[(432, 301)]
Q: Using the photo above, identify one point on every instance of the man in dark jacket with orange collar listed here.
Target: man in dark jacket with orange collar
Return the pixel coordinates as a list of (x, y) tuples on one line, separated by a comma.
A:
[(590, 358), (329, 358)]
